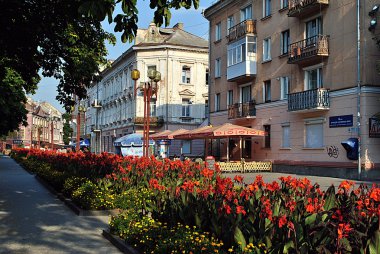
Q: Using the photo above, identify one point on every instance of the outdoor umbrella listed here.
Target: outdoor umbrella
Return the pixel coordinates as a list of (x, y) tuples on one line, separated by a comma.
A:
[(226, 130)]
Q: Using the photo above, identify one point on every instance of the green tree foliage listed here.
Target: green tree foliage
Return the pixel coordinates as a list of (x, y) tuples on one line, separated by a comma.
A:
[(67, 130), (63, 39)]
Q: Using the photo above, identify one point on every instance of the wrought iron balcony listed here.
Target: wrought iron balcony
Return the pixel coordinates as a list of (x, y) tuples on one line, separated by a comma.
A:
[(310, 100), (242, 110), (309, 49), (155, 121), (301, 8), (242, 29)]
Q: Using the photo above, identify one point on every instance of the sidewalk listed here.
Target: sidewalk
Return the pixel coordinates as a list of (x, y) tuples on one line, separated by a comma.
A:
[(32, 220)]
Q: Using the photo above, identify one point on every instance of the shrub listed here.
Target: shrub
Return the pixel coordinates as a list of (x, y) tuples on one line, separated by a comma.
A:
[(72, 184), (85, 196)]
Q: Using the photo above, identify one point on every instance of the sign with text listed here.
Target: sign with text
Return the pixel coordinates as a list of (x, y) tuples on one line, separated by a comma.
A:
[(17, 141), (374, 127), (167, 142), (341, 121)]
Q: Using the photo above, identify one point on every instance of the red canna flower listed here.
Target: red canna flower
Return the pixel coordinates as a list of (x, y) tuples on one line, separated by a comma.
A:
[(375, 194), (240, 210), (282, 221), (238, 178), (343, 230), (346, 185)]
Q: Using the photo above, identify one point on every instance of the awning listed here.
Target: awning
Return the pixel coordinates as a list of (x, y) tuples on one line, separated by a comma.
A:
[(225, 130), (134, 139), (161, 135)]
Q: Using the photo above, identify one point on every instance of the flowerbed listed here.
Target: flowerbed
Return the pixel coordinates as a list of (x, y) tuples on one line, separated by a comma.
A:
[(292, 216)]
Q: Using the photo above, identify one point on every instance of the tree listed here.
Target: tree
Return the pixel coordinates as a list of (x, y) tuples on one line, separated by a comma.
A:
[(67, 130), (63, 39)]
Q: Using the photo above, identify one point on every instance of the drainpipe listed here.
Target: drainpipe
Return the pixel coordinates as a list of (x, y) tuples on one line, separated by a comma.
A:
[(167, 89), (358, 88)]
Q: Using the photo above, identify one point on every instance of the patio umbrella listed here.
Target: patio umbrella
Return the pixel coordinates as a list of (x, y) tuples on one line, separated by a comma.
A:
[(161, 135), (226, 130)]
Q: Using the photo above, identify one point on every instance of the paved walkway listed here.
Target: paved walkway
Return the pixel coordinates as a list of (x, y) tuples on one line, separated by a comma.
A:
[(32, 220)]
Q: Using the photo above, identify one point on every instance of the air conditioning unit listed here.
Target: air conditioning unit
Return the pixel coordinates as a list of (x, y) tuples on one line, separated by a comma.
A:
[(96, 104)]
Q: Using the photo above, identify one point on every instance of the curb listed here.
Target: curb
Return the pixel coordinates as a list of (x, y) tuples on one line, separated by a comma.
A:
[(73, 207), (119, 243)]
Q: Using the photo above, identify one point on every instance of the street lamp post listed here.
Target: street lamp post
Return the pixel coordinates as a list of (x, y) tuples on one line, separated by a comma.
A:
[(81, 109), (53, 120), (149, 89)]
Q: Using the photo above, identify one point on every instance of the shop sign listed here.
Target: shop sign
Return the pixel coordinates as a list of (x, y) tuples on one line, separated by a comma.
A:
[(17, 141), (374, 127), (167, 142)]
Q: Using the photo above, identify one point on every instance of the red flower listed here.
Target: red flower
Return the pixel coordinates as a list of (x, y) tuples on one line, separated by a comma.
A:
[(240, 210), (375, 194), (238, 178), (282, 221), (346, 185), (343, 230), (208, 173)]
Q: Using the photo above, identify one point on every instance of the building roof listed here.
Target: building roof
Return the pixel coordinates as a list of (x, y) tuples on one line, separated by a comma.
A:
[(174, 36)]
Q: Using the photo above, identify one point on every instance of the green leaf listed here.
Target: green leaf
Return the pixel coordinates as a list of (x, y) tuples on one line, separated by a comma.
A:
[(374, 244), (310, 219), (330, 199), (276, 208), (346, 244), (288, 246), (239, 238), (198, 221), (268, 223)]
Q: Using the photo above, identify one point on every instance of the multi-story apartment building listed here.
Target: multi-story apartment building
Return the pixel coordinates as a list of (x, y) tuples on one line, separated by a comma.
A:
[(181, 100), (295, 69), (44, 124)]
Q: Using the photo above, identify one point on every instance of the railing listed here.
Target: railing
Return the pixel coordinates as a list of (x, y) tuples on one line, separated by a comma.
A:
[(308, 100), (296, 7), (317, 45), (243, 28), (241, 110)]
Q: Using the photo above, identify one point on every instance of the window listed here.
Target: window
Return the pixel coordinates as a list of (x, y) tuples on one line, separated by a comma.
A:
[(217, 102), (186, 107), (314, 133), (284, 82), (217, 68), (285, 41), (285, 135), (236, 54), (186, 75), (246, 13), (266, 8), (313, 28), (207, 76), (251, 40), (230, 23), (267, 91), (267, 136), (230, 97), (186, 146), (284, 4), (153, 107), (313, 79), (246, 94), (218, 31), (266, 49)]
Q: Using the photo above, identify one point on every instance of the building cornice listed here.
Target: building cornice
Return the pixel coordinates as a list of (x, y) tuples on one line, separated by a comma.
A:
[(171, 46), (213, 9)]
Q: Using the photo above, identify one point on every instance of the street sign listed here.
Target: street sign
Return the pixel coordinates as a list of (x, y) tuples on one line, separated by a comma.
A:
[(341, 121)]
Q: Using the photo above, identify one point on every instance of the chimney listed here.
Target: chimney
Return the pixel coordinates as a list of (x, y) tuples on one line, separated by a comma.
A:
[(178, 26)]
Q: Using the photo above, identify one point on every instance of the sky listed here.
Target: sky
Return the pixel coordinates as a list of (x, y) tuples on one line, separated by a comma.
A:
[(193, 22)]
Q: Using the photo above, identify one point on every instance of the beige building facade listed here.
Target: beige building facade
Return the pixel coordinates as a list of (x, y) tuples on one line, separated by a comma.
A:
[(292, 68), (182, 60)]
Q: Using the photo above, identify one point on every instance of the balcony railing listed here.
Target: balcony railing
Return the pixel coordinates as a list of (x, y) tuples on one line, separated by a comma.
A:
[(301, 8), (243, 28), (309, 49), (242, 110), (310, 100)]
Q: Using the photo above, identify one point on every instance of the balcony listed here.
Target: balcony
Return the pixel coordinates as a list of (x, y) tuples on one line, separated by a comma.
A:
[(309, 101), (302, 8), (155, 121), (242, 29), (309, 50), (242, 110)]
